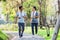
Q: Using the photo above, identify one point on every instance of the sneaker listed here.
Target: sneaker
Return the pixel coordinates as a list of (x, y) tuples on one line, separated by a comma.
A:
[(21, 35), (33, 36)]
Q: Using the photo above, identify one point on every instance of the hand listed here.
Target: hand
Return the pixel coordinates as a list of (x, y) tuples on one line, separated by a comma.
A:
[(18, 17), (23, 16), (36, 17)]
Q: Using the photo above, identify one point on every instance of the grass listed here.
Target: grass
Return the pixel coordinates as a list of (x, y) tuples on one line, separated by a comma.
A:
[(43, 33), (3, 36)]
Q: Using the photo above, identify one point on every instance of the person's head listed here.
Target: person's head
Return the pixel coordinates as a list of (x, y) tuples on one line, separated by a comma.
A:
[(34, 8), (20, 8)]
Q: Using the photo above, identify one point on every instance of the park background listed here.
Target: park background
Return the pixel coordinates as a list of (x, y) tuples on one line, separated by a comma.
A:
[(8, 23)]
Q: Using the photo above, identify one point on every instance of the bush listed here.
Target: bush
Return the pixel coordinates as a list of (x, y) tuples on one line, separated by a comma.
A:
[(28, 23), (3, 0), (3, 36)]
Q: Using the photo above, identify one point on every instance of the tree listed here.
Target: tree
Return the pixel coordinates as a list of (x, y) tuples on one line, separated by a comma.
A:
[(43, 13), (39, 1), (57, 26), (42, 4)]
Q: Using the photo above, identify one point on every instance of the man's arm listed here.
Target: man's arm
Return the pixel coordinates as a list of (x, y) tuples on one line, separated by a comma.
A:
[(25, 16), (37, 15), (17, 16), (31, 17)]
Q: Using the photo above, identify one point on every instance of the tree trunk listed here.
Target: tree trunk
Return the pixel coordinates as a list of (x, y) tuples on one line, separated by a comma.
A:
[(54, 37), (39, 2), (42, 4), (7, 17), (22, 2)]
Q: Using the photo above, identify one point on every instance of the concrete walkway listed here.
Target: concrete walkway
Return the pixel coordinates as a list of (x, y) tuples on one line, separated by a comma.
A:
[(25, 36)]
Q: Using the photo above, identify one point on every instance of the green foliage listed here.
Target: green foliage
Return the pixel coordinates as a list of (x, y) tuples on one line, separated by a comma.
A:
[(3, 36), (12, 15), (4, 0), (28, 6)]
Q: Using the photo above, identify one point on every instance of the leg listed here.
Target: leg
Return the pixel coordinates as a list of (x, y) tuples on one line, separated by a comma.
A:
[(22, 28), (32, 26), (19, 29), (36, 27)]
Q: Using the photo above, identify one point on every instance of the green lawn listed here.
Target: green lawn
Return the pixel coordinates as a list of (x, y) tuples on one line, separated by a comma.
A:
[(3, 36), (42, 33)]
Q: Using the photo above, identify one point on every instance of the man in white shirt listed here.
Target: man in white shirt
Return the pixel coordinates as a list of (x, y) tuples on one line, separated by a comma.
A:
[(21, 15)]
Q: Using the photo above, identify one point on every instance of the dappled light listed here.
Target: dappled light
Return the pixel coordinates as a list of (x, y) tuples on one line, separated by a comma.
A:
[(29, 19)]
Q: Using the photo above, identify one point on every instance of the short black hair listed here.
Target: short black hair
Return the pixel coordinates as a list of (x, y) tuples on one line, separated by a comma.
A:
[(34, 7), (20, 7)]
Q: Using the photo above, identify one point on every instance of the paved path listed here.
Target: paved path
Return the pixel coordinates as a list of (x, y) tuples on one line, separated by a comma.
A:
[(25, 37)]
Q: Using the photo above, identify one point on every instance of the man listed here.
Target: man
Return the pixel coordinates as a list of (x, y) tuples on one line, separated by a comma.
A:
[(34, 20), (21, 15)]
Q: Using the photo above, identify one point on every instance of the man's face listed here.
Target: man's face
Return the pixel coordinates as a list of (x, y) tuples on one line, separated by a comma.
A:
[(33, 9), (21, 9)]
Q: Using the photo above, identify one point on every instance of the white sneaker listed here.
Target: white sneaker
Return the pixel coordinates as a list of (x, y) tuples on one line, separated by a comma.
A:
[(33, 36)]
